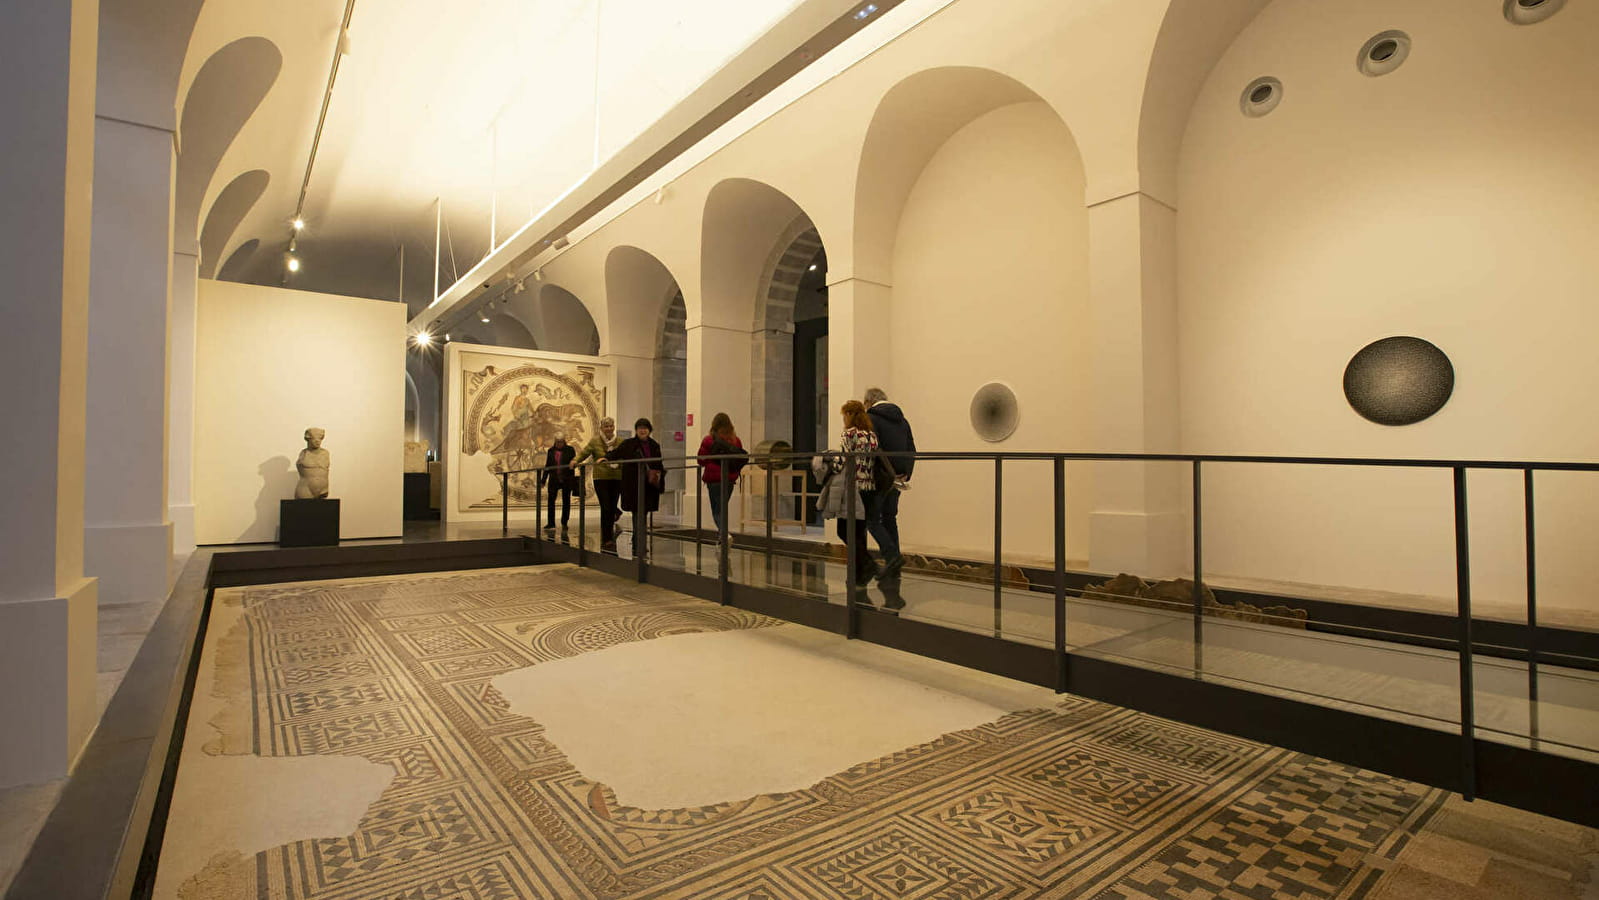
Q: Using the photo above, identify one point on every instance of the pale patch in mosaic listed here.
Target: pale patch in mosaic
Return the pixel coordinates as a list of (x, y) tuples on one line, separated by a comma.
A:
[(698, 719)]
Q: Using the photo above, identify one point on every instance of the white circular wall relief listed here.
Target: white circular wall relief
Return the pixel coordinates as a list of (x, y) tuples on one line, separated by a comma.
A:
[(1531, 12), (1383, 53), (995, 413), (1261, 97)]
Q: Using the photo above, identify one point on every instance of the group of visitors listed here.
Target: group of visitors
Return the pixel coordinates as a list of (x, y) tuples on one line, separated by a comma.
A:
[(634, 487), (875, 433)]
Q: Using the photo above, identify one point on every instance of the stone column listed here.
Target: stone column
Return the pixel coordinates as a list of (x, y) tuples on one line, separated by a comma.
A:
[(1139, 522), (859, 344), (718, 381), (182, 310), (47, 606), (127, 537)]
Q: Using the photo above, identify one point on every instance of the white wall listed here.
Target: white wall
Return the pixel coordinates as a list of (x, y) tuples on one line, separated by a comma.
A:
[(991, 284), (1454, 200), (271, 363)]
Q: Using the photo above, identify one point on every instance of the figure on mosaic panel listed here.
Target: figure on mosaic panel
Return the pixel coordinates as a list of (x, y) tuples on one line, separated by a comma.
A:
[(514, 416)]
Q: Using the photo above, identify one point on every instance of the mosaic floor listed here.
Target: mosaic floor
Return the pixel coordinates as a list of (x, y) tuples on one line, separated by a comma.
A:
[(1074, 799)]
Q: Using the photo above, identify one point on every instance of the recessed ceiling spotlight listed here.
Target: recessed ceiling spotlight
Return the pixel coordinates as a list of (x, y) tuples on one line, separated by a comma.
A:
[(865, 12), (483, 319), (1261, 96), (1383, 53), (294, 263), (422, 338), (813, 267), (298, 224), (1530, 12)]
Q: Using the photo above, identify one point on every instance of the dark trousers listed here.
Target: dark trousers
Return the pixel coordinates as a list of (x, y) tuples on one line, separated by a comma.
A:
[(608, 491), (865, 568), (566, 504), (882, 518), (718, 491)]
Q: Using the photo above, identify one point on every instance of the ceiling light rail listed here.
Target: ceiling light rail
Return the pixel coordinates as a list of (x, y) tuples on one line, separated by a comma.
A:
[(341, 46)]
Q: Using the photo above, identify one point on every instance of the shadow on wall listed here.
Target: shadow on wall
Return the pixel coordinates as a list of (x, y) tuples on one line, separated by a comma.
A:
[(278, 479)]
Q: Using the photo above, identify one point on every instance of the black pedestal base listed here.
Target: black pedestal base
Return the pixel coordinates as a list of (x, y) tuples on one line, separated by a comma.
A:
[(418, 497), (308, 523)]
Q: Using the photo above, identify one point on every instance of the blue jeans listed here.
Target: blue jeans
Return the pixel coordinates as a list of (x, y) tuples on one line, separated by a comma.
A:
[(882, 520), (718, 492)]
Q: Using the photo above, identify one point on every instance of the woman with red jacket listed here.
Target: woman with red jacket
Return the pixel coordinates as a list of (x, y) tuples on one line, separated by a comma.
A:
[(720, 474)]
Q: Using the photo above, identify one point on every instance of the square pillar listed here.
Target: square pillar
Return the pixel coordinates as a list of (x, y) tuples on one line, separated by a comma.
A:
[(1139, 522), (47, 607), (859, 344), (127, 537)]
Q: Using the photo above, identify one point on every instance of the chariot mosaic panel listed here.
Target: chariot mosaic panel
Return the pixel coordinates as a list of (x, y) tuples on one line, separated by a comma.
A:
[(1080, 799)]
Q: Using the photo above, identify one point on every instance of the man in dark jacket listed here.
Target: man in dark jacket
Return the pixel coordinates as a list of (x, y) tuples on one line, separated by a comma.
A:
[(893, 436)]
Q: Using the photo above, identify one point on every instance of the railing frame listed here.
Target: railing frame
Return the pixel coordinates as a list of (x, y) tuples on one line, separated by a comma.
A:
[(1458, 468)]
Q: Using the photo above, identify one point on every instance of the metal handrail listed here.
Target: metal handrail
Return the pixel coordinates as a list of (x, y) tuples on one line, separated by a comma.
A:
[(1457, 467)]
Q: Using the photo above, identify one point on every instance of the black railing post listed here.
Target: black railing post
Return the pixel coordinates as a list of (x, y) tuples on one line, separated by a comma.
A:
[(852, 615), (505, 504), (640, 517), (1468, 727), (582, 520), (722, 553), (999, 528), (1060, 574), (1532, 608), (699, 515), (771, 494), (1199, 581), (538, 506)]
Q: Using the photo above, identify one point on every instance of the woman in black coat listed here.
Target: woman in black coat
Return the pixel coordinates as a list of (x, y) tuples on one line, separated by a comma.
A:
[(651, 474)]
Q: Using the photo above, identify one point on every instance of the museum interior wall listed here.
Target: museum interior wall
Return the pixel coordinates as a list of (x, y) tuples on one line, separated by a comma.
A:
[(1453, 200), (1148, 269), (271, 363)]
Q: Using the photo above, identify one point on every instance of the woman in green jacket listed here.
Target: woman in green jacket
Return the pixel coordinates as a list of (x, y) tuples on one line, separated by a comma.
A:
[(607, 479)]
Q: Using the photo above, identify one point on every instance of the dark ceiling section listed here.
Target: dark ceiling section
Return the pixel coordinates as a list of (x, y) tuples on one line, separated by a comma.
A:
[(224, 94), (231, 206)]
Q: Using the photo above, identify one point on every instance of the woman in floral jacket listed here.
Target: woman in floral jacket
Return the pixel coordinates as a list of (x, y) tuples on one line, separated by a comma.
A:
[(860, 439)]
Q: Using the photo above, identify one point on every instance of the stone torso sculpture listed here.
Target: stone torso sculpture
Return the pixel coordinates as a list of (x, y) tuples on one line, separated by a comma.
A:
[(313, 467)]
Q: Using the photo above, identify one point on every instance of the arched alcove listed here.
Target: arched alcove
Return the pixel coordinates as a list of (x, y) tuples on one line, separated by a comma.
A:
[(647, 321), (757, 246), (231, 206), (413, 404), (970, 208), (508, 332), (563, 323), (238, 264), (224, 93), (1452, 200)]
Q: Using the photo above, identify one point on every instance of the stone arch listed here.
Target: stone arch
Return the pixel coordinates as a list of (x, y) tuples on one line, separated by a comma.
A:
[(756, 245), (223, 96), (227, 211), (1192, 38)]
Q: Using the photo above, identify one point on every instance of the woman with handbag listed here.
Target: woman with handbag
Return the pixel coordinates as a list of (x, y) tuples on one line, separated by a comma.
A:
[(719, 475), (859, 439), (646, 477)]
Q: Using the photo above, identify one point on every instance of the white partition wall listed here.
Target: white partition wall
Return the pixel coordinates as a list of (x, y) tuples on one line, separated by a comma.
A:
[(271, 363)]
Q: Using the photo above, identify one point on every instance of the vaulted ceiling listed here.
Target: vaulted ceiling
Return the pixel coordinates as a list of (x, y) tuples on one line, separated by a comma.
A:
[(488, 110)]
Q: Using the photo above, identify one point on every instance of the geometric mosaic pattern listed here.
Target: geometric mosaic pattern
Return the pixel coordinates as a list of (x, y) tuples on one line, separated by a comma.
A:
[(1081, 799)]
